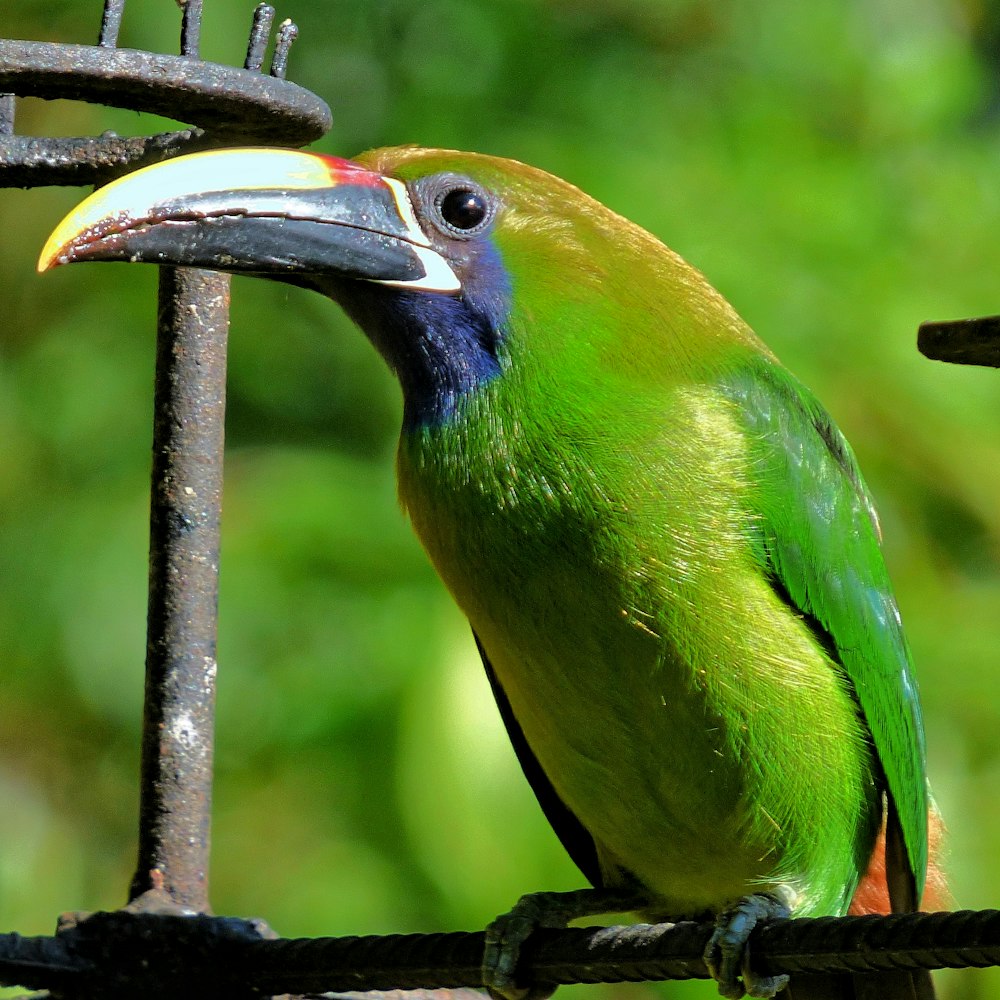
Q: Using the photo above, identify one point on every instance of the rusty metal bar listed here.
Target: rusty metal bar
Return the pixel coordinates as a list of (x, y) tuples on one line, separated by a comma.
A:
[(287, 33), (221, 104), (7, 111), (227, 105), (210, 95), (185, 507), (974, 341), (111, 23), (113, 956), (263, 18), (191, 29)]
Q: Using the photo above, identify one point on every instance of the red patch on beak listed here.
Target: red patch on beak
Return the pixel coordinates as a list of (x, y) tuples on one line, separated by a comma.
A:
[(347, 172)]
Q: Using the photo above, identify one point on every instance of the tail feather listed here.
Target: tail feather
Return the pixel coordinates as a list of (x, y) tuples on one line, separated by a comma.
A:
[(879, 888)]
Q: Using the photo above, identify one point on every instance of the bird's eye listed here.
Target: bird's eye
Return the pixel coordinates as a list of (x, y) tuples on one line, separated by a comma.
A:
[(456, 205), (463, 208)]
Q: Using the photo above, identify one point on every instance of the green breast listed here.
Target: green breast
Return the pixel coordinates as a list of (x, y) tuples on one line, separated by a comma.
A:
[(680, 709)]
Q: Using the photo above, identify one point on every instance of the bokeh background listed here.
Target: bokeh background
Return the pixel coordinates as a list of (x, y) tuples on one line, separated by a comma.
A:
[(832, 166)]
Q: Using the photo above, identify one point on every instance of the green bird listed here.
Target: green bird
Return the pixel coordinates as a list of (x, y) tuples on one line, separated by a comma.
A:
[(668, 557)]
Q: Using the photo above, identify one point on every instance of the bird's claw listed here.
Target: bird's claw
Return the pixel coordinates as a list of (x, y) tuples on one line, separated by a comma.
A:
[(727, 955), (504, 938), (506, 935)]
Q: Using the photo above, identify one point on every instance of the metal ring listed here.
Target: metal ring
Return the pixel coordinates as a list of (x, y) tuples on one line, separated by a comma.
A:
[(223, 103)]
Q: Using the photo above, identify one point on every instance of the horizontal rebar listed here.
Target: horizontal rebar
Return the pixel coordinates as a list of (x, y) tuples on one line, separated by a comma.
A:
[(155, 955)]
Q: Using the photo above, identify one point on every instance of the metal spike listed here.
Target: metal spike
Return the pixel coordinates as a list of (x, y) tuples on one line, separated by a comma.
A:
[(287, 33), (260, 30)]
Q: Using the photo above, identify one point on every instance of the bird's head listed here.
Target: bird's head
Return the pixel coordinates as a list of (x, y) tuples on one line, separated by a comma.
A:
[(458, 266)]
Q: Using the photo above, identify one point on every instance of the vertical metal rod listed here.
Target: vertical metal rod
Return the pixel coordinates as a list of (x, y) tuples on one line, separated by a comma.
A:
[(7, 111), (191, 29), (111, 23), (287, 33), (185, 505), (263, 18)]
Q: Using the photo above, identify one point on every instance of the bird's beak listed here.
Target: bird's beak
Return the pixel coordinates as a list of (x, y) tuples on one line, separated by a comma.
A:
[(274, 212)]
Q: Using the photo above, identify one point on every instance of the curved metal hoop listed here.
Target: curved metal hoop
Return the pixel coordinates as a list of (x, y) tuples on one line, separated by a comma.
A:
[(222, 103)]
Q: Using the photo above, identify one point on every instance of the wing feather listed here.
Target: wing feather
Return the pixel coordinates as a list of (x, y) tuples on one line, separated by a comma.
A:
[(823, 552)]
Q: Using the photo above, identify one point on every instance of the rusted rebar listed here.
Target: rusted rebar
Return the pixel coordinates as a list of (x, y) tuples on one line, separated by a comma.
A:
[(118, 955), (185, 508), (222, 101)]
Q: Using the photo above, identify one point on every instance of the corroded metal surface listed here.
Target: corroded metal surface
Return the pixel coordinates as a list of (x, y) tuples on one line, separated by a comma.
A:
[(227, 99), (162, 957), (223, 104), (26, 161), (185, 509)]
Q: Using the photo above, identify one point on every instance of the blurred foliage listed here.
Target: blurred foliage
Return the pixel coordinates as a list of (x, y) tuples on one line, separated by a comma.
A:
[(831, 166)]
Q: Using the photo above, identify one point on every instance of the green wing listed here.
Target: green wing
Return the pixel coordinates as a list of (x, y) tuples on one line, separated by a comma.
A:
[(819, 541)]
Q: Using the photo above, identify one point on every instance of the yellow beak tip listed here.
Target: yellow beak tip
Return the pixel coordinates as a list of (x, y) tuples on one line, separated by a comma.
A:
[(56, 250)]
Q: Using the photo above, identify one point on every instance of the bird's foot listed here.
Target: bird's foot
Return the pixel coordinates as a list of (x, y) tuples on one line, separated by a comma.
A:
[(506, 935), (727, 955)]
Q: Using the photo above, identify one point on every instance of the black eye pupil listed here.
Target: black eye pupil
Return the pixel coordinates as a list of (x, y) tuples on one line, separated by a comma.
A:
[(463, 209)]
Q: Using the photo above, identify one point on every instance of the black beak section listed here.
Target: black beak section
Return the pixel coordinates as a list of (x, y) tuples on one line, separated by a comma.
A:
[(273, 212)]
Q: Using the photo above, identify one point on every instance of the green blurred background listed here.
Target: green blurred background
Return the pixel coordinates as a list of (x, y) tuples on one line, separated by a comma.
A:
[(833, 168)]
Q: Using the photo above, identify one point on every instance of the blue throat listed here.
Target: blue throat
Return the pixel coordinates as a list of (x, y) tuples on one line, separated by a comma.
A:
[(441, 347)]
